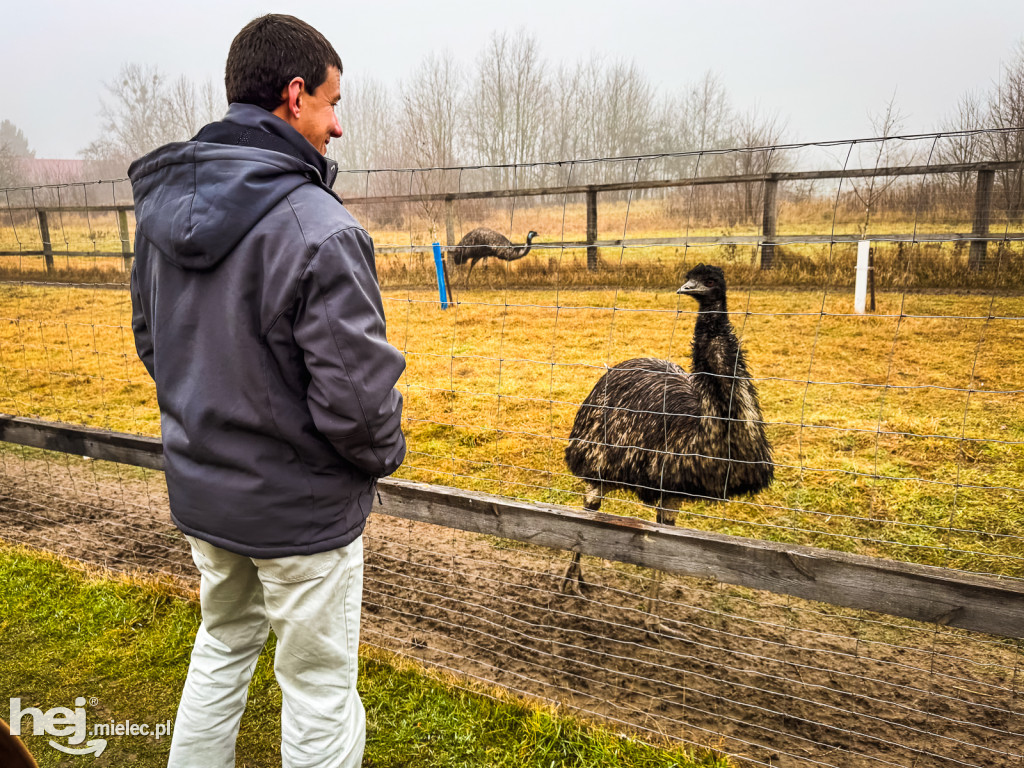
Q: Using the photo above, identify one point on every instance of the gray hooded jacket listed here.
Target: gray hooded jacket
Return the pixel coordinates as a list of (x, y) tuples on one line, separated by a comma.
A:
[(257, 311)]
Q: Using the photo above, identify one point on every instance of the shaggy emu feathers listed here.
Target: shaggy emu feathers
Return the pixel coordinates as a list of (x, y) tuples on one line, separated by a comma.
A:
[(483, 243), (666, 435)]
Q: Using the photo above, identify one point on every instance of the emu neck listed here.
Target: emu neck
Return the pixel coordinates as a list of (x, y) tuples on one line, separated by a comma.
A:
[(523, 250), (716, 350)]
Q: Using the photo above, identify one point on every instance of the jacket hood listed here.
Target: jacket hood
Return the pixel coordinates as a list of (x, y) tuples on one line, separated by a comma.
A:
[(195, 200)]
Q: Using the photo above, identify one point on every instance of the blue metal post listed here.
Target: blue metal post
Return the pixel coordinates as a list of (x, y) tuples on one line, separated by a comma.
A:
[(441, 287)]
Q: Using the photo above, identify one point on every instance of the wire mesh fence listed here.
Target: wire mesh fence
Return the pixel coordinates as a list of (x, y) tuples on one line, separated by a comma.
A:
[(896, 433)]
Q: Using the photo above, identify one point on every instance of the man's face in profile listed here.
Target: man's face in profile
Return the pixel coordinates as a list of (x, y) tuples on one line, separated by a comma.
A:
[(317, 120)]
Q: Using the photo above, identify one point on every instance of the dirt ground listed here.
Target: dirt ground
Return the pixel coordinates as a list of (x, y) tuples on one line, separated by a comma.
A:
[(775, 680)]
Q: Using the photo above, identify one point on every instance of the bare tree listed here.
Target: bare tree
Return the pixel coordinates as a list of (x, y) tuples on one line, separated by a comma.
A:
[(571, 91), (366, 114), (1006, 111), (757, 133), (190, 107), (143, 111), (965, 147), (511, 110), (506, 106), (887, 150), (697, 120), (135, 115), (626, 111), (430, 112), (603, 109), (706, 116), (213, 101), (430, 121)]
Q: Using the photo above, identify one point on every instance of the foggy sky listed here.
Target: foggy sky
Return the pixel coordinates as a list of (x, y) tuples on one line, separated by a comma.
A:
[(823, 66)]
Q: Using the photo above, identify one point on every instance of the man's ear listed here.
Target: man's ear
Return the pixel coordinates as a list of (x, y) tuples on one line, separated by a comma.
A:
[(291, 97)]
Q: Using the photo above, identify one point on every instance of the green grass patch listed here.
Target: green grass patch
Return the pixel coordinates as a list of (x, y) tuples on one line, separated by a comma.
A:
[(124, 644)]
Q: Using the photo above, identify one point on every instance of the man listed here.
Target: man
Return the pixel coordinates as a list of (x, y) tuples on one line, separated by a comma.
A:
[(257, 311)]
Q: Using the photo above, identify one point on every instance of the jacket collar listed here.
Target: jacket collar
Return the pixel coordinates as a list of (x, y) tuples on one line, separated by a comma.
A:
[(252, 116)]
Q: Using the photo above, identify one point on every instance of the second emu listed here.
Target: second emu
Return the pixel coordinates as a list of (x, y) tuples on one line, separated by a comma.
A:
[(483, 243), (669, 436)]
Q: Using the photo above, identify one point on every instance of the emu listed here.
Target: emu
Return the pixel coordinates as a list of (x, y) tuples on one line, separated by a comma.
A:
[(669, 436), (483, 243)]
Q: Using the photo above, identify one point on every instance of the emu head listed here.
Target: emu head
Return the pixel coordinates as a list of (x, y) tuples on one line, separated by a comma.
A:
[(529, 237), (705, 283)]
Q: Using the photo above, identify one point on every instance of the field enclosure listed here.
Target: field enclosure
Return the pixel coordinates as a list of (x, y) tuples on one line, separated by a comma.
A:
[(898, 440)]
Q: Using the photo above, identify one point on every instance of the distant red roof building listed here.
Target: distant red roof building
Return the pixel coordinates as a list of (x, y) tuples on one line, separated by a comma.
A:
[(34, 171)]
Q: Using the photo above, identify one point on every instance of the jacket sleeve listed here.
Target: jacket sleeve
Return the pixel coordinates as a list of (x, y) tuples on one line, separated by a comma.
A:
[(340, 327), (140, 328)]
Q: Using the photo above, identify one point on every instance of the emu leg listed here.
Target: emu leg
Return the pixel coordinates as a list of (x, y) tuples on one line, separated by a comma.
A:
[(472, 263), (572, 581), (666, 515), (655, 629)]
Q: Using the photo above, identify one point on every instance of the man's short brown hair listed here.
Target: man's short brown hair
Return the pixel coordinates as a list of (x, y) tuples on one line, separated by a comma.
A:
[(269, 52)]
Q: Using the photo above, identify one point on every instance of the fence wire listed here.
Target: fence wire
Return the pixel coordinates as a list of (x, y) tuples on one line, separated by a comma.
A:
[(897, 431)]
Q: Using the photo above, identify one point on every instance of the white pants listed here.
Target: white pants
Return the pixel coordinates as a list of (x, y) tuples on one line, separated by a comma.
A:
[(313, 603)]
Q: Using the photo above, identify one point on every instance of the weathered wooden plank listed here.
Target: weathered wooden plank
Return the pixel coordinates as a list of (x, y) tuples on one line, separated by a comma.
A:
[(934, 595), (95, 254), (979, 603), (71, 208), (100, 444), (624, 186), (908, 237)]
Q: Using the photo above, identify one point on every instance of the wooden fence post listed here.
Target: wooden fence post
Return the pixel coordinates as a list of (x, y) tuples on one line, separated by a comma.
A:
[(982, 216), (449, 221), (591, 229), (871, 279), (126, 246), (769, 222), (44, 234)]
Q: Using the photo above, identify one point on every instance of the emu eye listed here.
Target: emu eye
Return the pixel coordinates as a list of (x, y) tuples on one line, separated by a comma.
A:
[(709, 281)]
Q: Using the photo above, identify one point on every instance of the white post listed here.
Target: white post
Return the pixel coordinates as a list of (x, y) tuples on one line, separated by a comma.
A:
[(861, 290)]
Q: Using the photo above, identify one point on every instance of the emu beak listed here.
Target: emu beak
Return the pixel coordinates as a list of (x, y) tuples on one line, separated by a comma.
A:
[(691, 286)]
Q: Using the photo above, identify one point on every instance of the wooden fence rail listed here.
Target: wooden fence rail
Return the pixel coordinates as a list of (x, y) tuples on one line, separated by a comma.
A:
[(943, 596), (767, 239)]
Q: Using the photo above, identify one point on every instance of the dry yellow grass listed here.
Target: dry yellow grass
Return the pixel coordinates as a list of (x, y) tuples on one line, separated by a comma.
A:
[(898, 434), (86, 245)]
